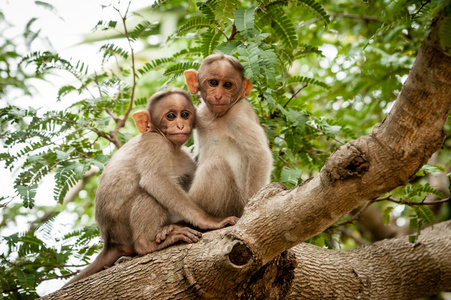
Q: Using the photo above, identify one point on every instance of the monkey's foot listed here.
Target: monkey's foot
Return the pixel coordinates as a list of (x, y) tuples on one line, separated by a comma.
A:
[(122, 259)]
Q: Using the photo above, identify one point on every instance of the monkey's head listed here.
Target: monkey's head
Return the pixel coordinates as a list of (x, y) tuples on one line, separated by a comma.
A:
[(170, 113), (220, 81)]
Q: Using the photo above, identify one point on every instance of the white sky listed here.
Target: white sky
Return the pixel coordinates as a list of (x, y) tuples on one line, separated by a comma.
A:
[(64, 28)]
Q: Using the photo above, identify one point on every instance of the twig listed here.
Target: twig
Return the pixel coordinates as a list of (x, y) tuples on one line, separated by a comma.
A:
[(234, 32), (357, 215), (422, 5), (405, 202), (313, 127), (295, 94), (358, 17)]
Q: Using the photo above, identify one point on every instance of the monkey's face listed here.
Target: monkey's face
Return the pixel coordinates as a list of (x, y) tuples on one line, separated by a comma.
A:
[(220, 86), (176, 118)]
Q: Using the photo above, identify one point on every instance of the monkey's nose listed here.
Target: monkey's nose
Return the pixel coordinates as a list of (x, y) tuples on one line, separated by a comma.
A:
[(180, 126)]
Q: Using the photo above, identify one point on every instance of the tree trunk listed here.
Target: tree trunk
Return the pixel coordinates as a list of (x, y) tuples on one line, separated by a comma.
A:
[(248, 259)]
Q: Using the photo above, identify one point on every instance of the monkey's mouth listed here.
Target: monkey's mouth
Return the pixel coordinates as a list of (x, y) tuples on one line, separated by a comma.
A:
[(179, 134)]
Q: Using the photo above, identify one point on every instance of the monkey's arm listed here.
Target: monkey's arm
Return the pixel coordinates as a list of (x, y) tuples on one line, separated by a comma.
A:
[(157, 179), (253, 143)]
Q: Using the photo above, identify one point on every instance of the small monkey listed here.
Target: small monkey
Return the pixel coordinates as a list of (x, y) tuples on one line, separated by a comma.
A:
[(143, 184), (234, 159)]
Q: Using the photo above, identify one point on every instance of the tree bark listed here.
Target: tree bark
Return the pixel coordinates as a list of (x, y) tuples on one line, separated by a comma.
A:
[(249, 260), (389, 269)]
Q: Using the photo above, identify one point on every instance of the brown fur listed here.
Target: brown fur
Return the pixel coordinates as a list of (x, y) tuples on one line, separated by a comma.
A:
[(234, 158), (140, 187)]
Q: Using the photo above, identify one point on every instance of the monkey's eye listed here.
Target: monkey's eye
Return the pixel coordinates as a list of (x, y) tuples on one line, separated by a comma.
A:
[(228, 85), (171, 116), (185, 115), (213, 82)]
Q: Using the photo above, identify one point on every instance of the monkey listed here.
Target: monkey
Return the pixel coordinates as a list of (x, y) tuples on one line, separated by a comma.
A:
[(234, 159), (143, 182)]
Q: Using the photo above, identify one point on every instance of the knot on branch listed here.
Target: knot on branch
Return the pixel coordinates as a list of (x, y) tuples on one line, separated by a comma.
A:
[(240, 254), (347, 162), (273, 280)]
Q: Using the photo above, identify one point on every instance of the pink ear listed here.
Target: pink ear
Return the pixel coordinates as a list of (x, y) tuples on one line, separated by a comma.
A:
[(191, 80), (247, 87), (142, 121)]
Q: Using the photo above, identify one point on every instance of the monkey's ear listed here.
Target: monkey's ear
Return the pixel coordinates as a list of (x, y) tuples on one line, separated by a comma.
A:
[(247, 87), (191, 80), (142, 121)]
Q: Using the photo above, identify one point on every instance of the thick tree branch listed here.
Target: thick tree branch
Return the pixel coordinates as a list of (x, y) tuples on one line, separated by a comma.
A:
[(389, 269)]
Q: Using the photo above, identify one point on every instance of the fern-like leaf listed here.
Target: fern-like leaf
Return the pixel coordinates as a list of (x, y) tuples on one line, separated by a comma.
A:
[(111, 50), (249, 57), (66, 177), (200, 22), (305, 80), (317, 9), (207, 8), (64, 90), (425, 214), (224, 10), (284, 29), (268, 66), (105, 25), (228, 47), (210, 41), (154, 64), (305, 50), (27, 193), (190, 52), (139, 30), (244, 21), (178, 69)]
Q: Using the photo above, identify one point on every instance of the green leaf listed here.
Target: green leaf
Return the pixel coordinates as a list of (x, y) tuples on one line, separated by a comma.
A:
[(305, 80), (27, 194), (413, 223), (431, 169), (412, 239), (178, 68), (224, 12), (250, 60), (153, 64), (209, 41), (317, 9), (244, 21), (386, 215), (290, 177), (193, 23), (229, 47), (284, 29), (140, 30), (425, 214)]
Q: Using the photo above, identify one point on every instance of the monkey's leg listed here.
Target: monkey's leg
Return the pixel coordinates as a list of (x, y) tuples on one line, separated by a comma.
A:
[(147, 218), (106, 258)]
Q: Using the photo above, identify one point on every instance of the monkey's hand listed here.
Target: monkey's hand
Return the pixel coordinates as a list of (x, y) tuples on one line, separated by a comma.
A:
[(178, 233), (217, 223)]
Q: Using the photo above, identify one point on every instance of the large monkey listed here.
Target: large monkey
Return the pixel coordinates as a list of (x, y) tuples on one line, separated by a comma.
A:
[(142, 185), (234, 158)]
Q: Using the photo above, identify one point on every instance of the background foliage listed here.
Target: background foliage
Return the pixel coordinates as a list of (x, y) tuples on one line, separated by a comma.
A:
[(323, 74)]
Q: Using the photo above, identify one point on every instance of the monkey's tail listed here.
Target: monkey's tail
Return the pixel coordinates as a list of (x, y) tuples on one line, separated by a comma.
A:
[(105, 259)]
